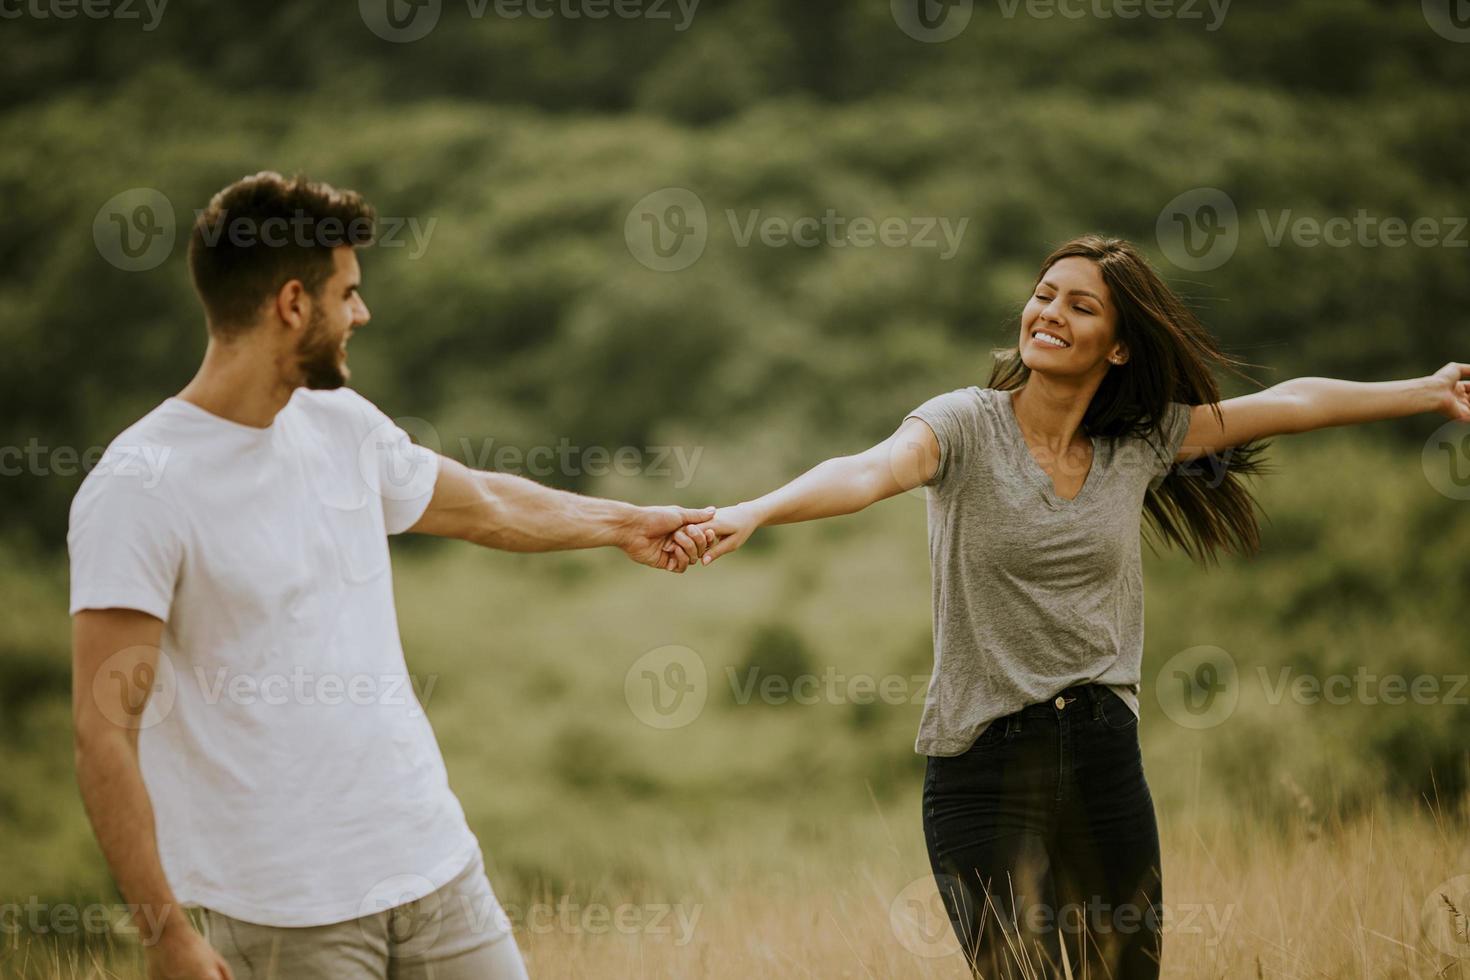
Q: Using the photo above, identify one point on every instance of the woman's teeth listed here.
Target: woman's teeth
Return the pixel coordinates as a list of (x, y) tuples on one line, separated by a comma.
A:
[(1049, 340)]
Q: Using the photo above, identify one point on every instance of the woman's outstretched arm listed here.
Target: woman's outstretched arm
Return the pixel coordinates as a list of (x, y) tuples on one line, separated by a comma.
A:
[(842, 485), (1304, 404)]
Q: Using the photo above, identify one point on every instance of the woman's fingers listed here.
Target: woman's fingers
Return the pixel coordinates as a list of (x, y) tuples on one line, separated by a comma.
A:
[(725, 545)]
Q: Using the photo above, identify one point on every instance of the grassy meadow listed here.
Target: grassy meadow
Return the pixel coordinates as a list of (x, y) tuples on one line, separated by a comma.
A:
[(1302, 838)]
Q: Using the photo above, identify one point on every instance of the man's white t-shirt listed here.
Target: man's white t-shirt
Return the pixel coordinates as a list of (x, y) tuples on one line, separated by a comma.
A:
[(294, 777)]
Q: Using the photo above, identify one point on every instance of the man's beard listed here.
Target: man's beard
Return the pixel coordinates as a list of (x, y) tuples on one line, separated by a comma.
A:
[(319, 358)]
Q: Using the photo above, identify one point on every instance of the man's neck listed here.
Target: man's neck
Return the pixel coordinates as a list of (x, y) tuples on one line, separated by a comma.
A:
[(240, 383)]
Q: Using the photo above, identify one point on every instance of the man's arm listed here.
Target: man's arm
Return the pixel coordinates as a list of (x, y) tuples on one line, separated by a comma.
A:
[(1305, 404), (114, 662), (511, 513)]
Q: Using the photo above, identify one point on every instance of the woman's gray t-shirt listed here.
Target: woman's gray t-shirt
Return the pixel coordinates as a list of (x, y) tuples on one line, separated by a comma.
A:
[(1032, 592)]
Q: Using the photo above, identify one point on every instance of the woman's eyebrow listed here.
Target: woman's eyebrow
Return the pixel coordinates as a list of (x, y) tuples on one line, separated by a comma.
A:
[(1071, 292)]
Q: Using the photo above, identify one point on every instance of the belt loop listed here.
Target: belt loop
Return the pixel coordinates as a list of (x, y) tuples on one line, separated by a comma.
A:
[(1094, 694), (1013, 724)]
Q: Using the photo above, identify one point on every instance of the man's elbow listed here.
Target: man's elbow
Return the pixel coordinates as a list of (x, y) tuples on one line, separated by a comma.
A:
[(97, 738)]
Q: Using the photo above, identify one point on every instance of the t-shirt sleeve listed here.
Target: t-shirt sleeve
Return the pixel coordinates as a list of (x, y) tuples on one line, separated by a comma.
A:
[(1171, 437), (405, 472), (952, 417), (124, 543)]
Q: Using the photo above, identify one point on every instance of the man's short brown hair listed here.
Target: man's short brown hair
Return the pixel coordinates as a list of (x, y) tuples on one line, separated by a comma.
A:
[(263, 231)]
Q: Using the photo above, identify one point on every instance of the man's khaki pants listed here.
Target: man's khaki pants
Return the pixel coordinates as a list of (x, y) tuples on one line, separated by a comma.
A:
[(455, 933)]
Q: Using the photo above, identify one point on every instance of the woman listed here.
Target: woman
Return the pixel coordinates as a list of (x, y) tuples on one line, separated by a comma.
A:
[(1040, 827)]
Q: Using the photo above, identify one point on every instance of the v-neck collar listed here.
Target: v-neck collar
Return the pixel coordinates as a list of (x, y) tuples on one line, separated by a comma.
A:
[(1033, 468)]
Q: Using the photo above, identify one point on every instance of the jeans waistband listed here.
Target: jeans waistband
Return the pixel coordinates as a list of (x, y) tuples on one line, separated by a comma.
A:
[(1078, 697)]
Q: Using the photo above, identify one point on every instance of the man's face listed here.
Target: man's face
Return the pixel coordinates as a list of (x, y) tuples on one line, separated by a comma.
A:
[(336, 311)]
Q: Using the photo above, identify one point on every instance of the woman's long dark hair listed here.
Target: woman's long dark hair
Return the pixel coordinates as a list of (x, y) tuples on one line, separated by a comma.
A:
[(1203, 509)]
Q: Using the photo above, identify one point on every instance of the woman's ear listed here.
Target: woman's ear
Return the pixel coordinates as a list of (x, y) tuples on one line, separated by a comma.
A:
[(1119, 355)]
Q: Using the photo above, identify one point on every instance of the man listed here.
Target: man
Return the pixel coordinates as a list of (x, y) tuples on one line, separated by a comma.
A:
[(244, 743)]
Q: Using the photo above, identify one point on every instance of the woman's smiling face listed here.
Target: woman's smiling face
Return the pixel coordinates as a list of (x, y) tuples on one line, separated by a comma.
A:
[(1069, 326)]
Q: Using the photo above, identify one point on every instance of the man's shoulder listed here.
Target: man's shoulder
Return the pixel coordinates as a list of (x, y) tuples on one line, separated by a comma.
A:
[(136, 463), (343, 406)]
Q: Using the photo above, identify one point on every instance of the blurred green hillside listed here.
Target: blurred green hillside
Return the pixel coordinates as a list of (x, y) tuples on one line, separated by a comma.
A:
[(518, 148)]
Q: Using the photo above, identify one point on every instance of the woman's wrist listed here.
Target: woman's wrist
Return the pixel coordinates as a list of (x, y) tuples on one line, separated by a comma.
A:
[(758, 511)]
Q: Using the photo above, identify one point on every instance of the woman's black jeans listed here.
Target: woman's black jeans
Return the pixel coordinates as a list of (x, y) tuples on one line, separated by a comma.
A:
[(1042, 835)]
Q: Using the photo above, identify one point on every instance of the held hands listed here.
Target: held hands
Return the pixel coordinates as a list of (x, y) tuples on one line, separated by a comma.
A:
[(730, 528), (670, 538), (1453, 391)]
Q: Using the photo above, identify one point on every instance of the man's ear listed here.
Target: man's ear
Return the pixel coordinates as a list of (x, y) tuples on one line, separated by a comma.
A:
[(293, 304)]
